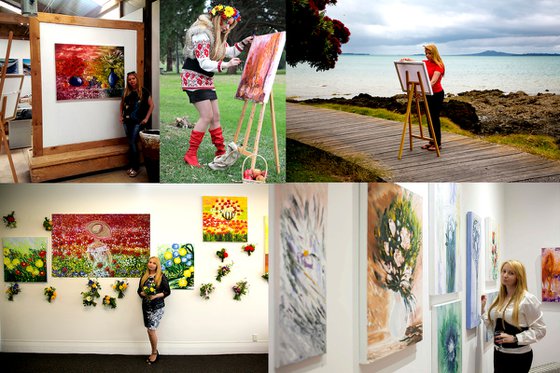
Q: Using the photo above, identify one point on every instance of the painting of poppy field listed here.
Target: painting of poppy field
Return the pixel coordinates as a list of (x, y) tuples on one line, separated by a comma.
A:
[(224, 219), (86, 72), (25, 259), (122, 252), (177, 262), (260, 67)]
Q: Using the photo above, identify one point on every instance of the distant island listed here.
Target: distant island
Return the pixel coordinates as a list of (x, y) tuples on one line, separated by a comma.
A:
[(491, 53)]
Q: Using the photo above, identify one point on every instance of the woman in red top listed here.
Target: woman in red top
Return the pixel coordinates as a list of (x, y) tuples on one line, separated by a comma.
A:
[(436, 70)]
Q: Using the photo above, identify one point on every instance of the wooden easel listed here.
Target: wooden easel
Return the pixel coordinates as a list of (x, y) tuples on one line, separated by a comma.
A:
[(244, 148), (3, 136), (417, 97)]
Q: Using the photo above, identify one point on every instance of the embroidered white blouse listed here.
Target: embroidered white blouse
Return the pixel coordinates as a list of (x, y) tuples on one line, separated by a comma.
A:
[(530, 316)]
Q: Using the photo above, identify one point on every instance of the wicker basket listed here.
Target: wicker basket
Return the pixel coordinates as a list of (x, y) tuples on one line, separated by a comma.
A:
[(250, 181)]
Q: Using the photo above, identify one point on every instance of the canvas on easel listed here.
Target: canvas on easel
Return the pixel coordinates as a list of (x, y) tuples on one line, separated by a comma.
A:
[(256, 86), (414, 80)]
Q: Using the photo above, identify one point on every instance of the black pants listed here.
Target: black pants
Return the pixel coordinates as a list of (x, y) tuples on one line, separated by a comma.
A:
[(435, 102), (132, 131), (512, 363)]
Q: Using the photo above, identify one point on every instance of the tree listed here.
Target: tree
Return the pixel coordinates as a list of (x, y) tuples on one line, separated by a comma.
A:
[(314, 37)]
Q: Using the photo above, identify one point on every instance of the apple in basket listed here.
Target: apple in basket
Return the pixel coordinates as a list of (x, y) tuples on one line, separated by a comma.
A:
[(254, 174)]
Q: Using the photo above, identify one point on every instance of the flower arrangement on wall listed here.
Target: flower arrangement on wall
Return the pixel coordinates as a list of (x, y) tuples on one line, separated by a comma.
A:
[(88, 297), (47, 224), (206, 290), (50, 293), (10, 220), (265, 276), (120, 287), (249, 248), (13, 290), (240, 289), (223, 271), (109, 301), (222, 254)]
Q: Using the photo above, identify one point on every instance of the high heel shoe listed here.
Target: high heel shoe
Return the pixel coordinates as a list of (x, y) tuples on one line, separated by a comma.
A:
[(153, 361)]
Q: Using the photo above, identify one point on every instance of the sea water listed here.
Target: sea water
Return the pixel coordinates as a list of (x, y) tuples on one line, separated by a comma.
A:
[(377, 76)]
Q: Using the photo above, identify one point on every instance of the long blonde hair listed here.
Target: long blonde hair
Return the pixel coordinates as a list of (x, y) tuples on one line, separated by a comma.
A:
[(218, 51), (435, 56), (128, 89), (158, 275), (517, 296)]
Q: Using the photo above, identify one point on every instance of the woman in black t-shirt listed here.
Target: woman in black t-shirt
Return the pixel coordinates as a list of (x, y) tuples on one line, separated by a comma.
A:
[(136, 108)]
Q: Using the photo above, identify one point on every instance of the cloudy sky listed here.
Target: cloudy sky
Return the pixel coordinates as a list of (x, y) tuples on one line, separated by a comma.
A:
[(403, 26)]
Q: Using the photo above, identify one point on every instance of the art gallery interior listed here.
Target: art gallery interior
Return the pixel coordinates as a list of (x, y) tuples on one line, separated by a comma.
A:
[(51, 137), (191, 325), (527, 220)]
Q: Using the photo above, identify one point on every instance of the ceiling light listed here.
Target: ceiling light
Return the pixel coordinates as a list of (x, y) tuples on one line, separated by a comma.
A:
[(10, 7)]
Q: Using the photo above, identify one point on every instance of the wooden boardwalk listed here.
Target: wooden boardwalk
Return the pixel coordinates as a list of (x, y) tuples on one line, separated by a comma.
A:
[(463, 159)]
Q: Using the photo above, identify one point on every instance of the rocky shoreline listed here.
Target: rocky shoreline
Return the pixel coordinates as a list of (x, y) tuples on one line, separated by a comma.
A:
[(482, 112)]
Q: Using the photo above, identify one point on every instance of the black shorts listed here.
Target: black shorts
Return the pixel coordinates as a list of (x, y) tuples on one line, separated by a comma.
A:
[(201, 95)]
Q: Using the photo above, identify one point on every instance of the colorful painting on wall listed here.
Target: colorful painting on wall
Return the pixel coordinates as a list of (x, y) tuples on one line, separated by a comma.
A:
[(550, 271), (302, 213), (26, 66), (488, 332), (224, 219), (492, 250), (260, 67), (448, 337), (265, 244), (474, 238), (177, 262), (25, 259), (100, 245), (394, 270), (85, 72), (13, 65), (446, 226)]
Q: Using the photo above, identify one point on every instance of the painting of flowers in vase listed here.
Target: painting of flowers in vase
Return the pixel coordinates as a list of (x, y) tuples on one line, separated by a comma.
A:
[(25, 259), (85, 72), (550, 270), (100, 245), (302, 308), (394, 270), (224, 219), (448, 337), (177, 262)]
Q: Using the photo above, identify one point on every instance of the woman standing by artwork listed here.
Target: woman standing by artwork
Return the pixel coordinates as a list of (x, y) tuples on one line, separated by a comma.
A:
[(205, 48), (136, 109), (153, 288), (436, 71), (516, 318)]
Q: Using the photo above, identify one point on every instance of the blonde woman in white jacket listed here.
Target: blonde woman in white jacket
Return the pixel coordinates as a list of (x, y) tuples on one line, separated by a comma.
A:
[(516, 318)]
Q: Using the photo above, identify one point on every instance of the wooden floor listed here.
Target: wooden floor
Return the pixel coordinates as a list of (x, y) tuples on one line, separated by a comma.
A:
[(463, 159)]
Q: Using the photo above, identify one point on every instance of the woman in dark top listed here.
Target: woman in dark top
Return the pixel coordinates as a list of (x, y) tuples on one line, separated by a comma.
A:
[(136, 109), (153, 288)]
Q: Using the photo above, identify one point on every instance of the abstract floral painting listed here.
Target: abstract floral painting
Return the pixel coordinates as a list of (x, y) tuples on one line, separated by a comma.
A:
[(474, 238), (265, 219), (85, 72), (446, 227), (260, 67), (100, 245), (25, 259), (224, 219), (492, 250), (448, 337), (177, 262), (394, 270), (302, 319), (488, 332), (550, 271)]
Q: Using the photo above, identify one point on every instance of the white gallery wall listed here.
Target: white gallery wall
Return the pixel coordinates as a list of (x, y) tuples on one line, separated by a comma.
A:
[(190, 325), (19, 51)]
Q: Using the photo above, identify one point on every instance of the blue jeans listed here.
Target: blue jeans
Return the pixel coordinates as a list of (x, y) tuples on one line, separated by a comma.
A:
[(132, 131)]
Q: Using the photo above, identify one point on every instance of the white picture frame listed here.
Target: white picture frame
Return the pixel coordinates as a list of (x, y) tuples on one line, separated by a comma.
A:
[(11, 90), (413, 68)]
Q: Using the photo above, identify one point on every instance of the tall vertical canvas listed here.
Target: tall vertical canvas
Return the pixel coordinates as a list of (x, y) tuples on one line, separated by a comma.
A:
[(302, 319), (474, 237), (492, 254), (26, 66), (550, 270), (85, 72), (446, 231), (25, 259), (260, 67), (488, 332), (265, 221), (100, 245), (177, 262), (224, 219), (394, 270), (447, 337)]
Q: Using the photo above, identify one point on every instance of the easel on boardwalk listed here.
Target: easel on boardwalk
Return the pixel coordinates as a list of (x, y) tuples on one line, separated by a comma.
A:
[(414, 80), (10, 88)]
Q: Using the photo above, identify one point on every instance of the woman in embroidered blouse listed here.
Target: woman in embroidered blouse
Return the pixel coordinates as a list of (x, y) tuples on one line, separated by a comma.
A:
[(153, 288), (516, 318), (205, 49)]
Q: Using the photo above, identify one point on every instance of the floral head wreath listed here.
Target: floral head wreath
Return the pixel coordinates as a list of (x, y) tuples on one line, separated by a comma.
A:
[(226, 12)]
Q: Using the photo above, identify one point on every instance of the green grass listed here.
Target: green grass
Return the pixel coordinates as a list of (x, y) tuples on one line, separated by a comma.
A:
[(326, 167), (174, 140), (541, 145)]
